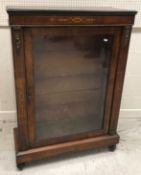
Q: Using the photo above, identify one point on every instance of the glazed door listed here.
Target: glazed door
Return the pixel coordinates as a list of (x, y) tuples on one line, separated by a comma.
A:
[(70, 74)]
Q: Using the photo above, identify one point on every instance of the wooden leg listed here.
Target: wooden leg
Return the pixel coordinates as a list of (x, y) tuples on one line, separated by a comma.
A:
[(112, 147), (20, 166)]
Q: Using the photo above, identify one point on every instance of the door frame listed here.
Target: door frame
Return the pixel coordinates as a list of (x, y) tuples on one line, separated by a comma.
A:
[(29, 32)]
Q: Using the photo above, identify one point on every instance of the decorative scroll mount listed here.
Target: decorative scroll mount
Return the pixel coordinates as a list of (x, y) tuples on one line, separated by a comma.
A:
[(126, 35), (17, 38)]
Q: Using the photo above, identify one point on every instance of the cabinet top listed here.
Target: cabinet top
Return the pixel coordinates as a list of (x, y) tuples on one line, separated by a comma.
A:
[(70, 16), (71, 11)]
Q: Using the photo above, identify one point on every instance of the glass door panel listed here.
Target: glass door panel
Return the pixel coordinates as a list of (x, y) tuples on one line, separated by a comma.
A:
[(70, 67)]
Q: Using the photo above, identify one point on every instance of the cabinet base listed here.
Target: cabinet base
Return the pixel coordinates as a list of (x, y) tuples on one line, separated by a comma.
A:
[(58, 149)]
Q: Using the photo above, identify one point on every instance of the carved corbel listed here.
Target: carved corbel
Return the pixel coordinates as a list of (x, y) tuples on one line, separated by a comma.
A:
[(17, 38)]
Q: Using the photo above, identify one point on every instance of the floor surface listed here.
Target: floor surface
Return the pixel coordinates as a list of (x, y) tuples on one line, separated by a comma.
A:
[(125, 160)]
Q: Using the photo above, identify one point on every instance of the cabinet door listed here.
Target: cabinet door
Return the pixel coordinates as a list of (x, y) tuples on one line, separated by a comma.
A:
[(70, 74)]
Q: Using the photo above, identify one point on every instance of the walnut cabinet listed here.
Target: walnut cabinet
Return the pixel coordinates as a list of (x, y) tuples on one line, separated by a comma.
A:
[(69, 72)]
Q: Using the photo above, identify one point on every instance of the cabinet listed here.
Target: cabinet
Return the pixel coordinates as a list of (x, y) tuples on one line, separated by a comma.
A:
[(69, 71)]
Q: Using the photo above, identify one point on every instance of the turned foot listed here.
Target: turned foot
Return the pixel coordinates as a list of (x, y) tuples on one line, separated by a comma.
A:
[(112, 147), (20, 166)]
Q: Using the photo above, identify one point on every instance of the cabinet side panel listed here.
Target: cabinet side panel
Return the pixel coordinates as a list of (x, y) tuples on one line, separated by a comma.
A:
[(121, 67), (20, 84)]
